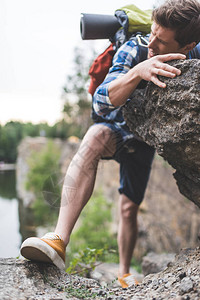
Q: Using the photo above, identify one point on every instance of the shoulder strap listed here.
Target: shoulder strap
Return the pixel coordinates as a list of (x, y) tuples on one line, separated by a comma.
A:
[(195, 52), (143, 53), (142, 43)]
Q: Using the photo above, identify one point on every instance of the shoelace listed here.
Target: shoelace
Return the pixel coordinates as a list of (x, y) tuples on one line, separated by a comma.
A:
[(51, 236)]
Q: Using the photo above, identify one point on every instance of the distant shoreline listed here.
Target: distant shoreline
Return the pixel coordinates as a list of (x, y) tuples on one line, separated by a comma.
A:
[(7, 167)]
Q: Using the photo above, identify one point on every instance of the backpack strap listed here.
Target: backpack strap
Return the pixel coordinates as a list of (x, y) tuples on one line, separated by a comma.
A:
[(195, 52), (142, 43)]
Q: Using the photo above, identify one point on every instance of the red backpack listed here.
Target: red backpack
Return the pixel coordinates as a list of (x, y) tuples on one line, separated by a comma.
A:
[(100, 67)]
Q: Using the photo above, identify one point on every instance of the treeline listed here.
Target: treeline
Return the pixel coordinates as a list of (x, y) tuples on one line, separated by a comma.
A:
[(75, 114), (13, 132)]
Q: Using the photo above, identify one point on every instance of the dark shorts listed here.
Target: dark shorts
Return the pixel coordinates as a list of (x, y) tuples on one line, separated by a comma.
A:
[(135, 158)]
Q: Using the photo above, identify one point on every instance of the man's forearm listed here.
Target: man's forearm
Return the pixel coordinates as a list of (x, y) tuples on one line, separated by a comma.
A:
[(120, 89)]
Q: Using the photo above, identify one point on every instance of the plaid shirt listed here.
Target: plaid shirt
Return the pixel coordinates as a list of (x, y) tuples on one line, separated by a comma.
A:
[(126, 58)]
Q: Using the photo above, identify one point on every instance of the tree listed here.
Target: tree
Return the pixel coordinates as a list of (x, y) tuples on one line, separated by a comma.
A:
[(13, 132), (77, 101)]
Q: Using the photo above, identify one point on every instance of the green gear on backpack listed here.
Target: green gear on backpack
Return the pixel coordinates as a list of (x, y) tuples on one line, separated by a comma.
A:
[(139, 20)]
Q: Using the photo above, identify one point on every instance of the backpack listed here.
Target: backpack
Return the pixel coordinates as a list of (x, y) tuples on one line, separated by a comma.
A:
[(134, 24)]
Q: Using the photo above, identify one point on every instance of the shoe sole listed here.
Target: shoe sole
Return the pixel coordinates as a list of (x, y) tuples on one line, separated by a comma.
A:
[(37, 250)]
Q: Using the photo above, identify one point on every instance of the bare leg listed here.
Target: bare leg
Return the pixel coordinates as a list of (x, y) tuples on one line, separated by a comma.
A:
[(127, 233), (80, 177)]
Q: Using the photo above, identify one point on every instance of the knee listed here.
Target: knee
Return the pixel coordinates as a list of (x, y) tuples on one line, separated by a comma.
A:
[(128, 210), (99, 140)]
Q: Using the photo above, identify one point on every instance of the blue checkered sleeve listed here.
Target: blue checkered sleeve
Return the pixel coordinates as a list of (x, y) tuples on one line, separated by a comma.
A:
[(126, 58)]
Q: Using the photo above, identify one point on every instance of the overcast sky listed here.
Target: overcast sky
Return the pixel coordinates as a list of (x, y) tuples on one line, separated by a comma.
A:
[(37, 38)]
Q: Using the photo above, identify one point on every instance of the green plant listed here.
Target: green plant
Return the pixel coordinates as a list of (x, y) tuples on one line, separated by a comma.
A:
[(94, 231), (86, 260), (43, 180), (81, 293)]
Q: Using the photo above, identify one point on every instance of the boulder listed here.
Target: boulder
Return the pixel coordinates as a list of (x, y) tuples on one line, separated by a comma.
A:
[(154, 263), (21, 279), (28, 146), (168, 119)]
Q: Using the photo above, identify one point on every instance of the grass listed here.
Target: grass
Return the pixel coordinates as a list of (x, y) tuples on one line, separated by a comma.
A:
[(81, 292)]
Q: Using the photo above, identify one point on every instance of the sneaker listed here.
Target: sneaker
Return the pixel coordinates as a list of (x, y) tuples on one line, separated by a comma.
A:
[(127, 280), (49, 249)]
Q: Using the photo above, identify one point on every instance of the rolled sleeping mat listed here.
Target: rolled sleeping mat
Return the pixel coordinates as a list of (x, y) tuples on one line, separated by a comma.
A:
[(96, 26)]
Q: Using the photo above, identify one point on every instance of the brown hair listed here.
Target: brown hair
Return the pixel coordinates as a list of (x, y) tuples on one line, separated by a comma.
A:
[(182, 16)]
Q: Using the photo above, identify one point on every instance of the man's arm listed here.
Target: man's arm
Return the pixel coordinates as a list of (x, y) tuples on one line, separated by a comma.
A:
[(120, 89), (124, 60), (126, 73)]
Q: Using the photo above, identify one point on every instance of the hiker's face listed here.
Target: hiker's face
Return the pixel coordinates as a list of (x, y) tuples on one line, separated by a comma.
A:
[(162, 41)]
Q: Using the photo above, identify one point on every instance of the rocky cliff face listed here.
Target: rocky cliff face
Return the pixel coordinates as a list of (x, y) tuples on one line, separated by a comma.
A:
[(21, 279), (28, 146), (169, 120)]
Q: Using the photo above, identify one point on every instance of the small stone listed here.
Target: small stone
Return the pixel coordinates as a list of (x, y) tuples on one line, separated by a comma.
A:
[(182, 275), (186, 285), (195, 278), (179, 269), (168, 284), (101, 293), (172, 295), (161, 289), (189, 272)]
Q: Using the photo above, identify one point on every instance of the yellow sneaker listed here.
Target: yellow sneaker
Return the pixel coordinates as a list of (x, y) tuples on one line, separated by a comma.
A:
[(127, 280), (50, 249)]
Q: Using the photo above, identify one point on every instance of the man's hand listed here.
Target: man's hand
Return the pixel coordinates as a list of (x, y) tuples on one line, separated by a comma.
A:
[(150, 68), (121, 88)]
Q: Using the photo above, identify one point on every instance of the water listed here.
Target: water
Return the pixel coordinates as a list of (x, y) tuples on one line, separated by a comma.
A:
[(10, 237), (16, 221)]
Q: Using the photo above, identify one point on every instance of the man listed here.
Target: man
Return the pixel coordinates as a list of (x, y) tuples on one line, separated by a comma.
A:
[(175, 32)]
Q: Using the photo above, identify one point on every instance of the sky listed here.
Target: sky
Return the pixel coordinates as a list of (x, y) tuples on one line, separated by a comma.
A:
[(37, 39)]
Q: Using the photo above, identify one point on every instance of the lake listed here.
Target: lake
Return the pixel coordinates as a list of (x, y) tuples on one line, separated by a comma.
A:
[(10, 236), (16, 222)]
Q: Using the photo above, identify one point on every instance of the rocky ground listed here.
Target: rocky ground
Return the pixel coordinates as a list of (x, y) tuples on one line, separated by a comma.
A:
[(20, 279)]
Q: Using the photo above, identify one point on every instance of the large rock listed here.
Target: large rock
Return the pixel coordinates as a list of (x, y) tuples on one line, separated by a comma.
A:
[(154, 263), (167, 221), (26, 148), (169, 120), (21, 279)]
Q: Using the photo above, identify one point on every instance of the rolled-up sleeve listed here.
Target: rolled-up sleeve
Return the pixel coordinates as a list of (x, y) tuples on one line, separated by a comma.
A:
[(125, 58)]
